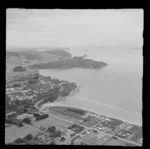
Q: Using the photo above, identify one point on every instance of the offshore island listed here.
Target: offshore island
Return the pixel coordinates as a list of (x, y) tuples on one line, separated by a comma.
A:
[(36, 122)]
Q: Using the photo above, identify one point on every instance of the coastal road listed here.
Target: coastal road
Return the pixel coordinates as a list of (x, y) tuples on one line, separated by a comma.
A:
[(87, 128)]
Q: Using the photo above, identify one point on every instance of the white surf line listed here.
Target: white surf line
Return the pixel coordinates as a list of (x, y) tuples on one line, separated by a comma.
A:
[(110, 116), (100, 103), (92, 101), (74, 98)]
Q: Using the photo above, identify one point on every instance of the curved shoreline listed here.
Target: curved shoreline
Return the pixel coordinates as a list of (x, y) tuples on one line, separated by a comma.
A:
[(108, 113)]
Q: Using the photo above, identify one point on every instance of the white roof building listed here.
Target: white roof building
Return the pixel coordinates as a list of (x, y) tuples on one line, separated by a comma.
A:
[(24, 115)]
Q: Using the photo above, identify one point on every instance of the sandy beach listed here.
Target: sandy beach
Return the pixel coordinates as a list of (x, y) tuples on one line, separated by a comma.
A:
[(96, 107), (114, 91)]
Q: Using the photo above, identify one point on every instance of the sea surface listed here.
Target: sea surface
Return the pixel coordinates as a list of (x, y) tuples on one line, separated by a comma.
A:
[(115, 90)]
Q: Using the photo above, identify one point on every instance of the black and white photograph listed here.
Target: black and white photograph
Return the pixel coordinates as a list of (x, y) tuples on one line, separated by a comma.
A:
[(74, 77)]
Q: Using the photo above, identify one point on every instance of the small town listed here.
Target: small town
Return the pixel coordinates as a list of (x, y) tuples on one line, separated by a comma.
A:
[(74, 77), (37, 123)]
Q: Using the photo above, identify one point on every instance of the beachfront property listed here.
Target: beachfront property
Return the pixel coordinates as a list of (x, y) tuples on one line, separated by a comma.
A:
[(74, 77), (83, 127), (90, 128)]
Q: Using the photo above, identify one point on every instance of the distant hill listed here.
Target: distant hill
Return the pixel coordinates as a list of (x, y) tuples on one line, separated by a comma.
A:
[(70, 63), (14, 54), (19, 69), (33, 56), (49, 58), (59, 53)]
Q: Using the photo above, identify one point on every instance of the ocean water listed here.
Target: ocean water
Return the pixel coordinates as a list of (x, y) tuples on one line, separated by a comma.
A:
[(115, 90)]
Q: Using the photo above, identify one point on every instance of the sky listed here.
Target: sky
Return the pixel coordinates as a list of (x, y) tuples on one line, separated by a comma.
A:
[(73, 27)]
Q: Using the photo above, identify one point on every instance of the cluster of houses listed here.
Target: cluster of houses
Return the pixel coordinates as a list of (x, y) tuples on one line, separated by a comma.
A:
[(24, 115)]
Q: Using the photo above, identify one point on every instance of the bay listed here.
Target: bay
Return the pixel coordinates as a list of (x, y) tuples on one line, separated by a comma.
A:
[(115, 90)]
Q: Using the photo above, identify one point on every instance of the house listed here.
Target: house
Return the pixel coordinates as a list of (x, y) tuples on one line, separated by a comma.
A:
[(24, 115)]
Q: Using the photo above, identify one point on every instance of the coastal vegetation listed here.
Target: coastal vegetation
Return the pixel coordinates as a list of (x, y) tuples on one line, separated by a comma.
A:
[(59, 52), (71, 63), (40, 117), (55, 58), (68, 88), (32, 55), (19, 69)]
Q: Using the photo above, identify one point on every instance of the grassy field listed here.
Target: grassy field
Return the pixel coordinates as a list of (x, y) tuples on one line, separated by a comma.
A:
[(73, 112), (137, 133), (65, 114), (52, 121), (77, 111), (13, 132), (89, 121), (117, 142), (91, 138), (137, 136)]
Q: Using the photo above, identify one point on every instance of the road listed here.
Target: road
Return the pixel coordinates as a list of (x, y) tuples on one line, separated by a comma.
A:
[(86, 128)]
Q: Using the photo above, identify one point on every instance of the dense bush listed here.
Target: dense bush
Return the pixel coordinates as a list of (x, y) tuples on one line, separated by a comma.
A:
[(40, 117), (20, 106), (28, 137), (55, 81), (70, 63), (27, 120), (19, 69), (24, 140), (51, 129), (76, 128), (14, 122), (67, 88), (17, 85), (62, 139), (19, 140), (53, 132)]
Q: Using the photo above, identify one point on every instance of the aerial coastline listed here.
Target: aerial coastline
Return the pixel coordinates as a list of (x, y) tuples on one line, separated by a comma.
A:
[(73, 100), (34, 100)]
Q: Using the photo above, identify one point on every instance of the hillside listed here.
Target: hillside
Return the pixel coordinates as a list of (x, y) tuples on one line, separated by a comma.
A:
[(21, 77), (49, 58), (33, 56), (70, 63)]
